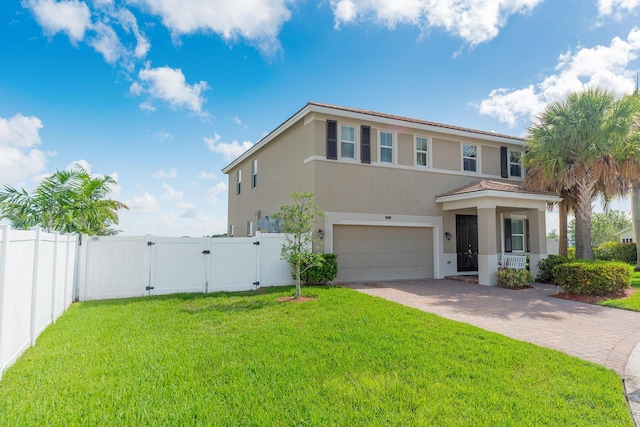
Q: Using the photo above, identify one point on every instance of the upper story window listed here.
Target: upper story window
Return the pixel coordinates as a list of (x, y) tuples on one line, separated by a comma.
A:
[(515, 168), (347, 142), (254, 173), (239, 181), (386, 147), (470, 158), (422, 151)]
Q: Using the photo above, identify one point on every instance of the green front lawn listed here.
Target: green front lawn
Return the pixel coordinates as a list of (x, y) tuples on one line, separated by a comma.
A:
[(246, 359), (631, 303)]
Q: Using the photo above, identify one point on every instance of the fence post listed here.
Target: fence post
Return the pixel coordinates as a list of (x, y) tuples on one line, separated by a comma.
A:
[(81, 267), (3, 273), (66, 273), (34, 283), (258, 261), (54, 278)]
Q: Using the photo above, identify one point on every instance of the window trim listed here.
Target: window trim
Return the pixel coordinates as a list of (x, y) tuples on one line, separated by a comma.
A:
[(239, 177), (476, 158), (381, 147), (355, 143), (254, 173), (512, 164), (415, 151)]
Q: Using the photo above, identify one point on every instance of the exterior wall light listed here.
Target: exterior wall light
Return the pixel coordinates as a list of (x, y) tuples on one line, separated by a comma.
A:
[(321, 234), (447, 235)]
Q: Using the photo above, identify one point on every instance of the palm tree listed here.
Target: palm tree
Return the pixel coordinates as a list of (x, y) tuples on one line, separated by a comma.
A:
[(584, 146), (68, 201)]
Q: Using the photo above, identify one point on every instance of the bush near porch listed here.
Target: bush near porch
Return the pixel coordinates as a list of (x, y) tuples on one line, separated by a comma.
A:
[(592, 277), (514, 278)]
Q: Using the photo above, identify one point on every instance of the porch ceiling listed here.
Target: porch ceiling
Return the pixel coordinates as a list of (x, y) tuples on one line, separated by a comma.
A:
[(493, 194)]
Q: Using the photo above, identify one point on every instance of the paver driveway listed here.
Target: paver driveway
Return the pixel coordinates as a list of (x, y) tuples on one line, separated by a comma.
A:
[(604, 335), (598, 334)]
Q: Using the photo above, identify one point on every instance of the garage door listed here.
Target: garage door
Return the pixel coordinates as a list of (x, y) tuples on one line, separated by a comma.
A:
[(383, 253)]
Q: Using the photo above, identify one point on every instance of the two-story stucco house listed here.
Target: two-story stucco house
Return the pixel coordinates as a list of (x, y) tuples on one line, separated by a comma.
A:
[(404, 198)]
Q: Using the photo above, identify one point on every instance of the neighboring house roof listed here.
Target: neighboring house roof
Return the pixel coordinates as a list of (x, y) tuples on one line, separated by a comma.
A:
[(626, 230), (360, 114), (497, 189)]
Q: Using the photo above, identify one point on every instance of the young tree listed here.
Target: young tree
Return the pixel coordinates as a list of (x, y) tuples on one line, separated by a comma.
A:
[(68, 201), (299, 220)]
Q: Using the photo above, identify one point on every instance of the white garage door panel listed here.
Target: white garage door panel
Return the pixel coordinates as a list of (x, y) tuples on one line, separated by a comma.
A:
[(383, 253)]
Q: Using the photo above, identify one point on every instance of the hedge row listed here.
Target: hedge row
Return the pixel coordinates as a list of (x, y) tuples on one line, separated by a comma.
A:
[(592, 277)]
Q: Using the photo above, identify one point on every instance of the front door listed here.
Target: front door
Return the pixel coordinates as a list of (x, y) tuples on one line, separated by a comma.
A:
[(467, 242)]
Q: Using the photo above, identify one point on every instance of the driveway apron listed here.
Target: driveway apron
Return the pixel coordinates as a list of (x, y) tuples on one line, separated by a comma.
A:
[(602, 335)]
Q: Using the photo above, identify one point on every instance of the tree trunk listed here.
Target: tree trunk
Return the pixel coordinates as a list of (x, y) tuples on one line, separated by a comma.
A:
[(635, 215), (297, 280), (563, 242), (584, 190)]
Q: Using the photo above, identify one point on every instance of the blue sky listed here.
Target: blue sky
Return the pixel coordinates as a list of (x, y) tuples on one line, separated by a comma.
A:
[(162, 94)]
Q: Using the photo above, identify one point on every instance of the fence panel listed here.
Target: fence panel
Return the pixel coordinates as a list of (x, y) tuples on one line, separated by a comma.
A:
[(273, 270), (233, 264), (178, 265), (116, 267), (29, 282)]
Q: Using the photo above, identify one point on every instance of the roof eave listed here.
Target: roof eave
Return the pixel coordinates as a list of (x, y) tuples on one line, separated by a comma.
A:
[(549, 198)]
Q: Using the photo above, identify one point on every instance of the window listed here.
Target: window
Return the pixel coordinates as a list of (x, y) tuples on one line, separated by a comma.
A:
[(254, 173), (249, 228), (386, 147), (517, 235), (239, 181), (347, 142), (422, 151), (515, 168), (469, 158), (231, 230)]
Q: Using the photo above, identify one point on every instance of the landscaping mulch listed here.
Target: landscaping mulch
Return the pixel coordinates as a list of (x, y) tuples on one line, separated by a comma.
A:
[(593, 299)]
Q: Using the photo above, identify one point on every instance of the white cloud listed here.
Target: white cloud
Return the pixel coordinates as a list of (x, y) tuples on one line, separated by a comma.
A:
[(169, 85), (473, 21), (82, 162), (207, 175), (146, 105), (143, 204), (161, 173), (163, 135), (237, 121), (170, 193), (18, 157), (602, 66), (213, 192), (257, 21), (229, 150), (617, 7), (107, 43), (71, 17)]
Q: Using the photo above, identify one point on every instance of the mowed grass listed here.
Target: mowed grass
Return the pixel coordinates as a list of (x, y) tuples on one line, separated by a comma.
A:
[(344, 359), (631, 303)]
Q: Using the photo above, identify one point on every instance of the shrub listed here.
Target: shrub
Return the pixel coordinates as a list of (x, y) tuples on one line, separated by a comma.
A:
[(545, 267), (514, 277), (592, 277), (571, 253), (616, 251), (322, 274)]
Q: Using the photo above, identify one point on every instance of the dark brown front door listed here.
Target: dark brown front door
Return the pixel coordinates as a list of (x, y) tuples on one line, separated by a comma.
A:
[(467, 242)]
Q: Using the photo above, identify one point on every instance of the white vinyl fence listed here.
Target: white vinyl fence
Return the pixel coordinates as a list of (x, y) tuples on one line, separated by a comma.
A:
[(122, 267), (42, 273), (36, 286)]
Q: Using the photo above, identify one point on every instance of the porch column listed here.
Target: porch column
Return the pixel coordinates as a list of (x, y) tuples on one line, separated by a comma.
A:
[(487, 247), (537, 238)]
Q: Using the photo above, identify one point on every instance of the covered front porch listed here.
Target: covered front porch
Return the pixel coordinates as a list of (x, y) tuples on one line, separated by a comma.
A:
[(492, 219)]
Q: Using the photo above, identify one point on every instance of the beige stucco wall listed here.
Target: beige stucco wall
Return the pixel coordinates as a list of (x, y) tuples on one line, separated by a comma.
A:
[(446, 154), (490, 160), (405, 149)]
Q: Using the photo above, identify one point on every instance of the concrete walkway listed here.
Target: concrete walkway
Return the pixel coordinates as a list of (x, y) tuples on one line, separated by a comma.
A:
[(607, 336)]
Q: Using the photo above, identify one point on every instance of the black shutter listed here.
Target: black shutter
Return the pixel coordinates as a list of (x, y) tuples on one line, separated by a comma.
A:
[(365, 144), (507, 235), (526, 227), (504, 162), (332, 140)]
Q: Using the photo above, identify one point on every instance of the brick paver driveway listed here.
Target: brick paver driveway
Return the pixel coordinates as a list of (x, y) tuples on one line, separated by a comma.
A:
[(599, 334)]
